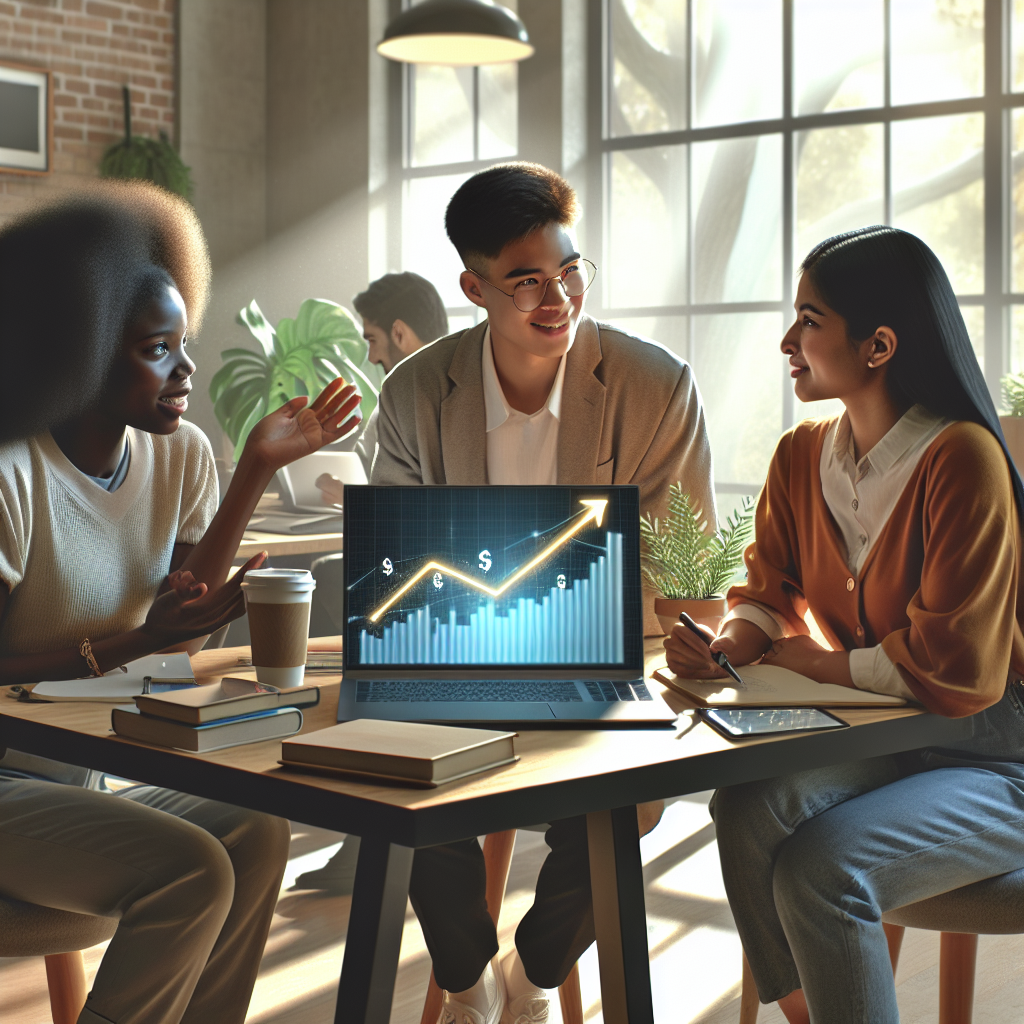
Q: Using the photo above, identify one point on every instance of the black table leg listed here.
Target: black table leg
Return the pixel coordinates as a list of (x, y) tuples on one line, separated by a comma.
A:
[(374, 938), (620, 917)]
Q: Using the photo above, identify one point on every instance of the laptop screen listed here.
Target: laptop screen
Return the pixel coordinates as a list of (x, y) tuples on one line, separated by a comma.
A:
[(518, 577)]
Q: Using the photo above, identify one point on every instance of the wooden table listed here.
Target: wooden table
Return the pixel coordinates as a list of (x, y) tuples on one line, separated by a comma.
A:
[(561, 773), (286, 544)]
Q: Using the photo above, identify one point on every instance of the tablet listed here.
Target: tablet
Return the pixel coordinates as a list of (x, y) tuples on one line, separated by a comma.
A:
[(738, 723)]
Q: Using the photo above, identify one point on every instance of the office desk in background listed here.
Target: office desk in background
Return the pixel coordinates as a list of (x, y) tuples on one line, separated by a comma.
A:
[(561, 773)]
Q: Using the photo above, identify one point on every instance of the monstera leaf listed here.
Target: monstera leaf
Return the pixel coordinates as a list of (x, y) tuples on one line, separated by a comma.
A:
[(298, 357)]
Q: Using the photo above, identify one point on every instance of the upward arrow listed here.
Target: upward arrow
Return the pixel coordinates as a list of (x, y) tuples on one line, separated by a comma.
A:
[(595, 511)]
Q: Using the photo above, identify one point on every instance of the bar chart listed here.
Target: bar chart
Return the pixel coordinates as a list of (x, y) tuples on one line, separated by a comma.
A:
[(578, 621)]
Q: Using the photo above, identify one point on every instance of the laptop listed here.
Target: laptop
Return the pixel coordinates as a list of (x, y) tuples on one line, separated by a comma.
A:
[(495, 605)]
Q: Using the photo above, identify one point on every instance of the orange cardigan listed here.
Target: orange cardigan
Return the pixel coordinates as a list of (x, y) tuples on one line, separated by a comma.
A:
[(940, 588)]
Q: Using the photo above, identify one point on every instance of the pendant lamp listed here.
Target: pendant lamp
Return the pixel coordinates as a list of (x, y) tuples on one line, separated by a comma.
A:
[(456, 32)]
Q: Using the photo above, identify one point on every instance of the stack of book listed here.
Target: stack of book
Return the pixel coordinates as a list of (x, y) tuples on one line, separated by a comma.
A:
[(224, 714)]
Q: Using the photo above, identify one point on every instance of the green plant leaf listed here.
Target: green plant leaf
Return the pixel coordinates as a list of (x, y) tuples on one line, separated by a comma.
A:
[(252, 317), (681, 560)]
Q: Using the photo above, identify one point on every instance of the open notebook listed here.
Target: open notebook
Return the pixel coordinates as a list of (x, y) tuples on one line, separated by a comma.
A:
[(769, 686)]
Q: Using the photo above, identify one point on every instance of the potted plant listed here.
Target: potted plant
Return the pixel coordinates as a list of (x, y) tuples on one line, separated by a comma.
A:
[(1013, 422), (689, 567), (298, 357), (138, 156)]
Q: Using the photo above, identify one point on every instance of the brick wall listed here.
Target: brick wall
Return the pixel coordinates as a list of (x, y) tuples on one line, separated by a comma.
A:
[(92, 48)]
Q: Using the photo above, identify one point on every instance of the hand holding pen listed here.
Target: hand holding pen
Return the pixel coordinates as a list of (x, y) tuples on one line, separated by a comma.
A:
[(689, 651)]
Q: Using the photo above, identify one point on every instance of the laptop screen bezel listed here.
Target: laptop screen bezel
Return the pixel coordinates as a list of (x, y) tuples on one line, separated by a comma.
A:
[(631, 667)]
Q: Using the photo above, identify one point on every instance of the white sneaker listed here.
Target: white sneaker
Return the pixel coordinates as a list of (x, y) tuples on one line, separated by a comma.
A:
[(529, 1007), (455, 1012)]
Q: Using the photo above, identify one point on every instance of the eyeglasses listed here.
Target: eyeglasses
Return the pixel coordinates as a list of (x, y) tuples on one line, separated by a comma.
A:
[(575, 278)]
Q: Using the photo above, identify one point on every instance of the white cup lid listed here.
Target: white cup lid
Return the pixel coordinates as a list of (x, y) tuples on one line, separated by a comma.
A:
[(279, 579)]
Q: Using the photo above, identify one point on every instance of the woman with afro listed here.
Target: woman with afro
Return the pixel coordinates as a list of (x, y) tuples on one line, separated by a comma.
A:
[(112, 547)]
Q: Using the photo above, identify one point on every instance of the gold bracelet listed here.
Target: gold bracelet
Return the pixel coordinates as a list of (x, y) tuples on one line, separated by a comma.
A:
[(85, 650)]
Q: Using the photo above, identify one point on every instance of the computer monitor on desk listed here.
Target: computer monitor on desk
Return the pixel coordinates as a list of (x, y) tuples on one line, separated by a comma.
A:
[(495, 605)]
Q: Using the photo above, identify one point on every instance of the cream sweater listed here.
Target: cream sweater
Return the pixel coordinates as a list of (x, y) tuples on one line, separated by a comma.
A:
[(81, 561)]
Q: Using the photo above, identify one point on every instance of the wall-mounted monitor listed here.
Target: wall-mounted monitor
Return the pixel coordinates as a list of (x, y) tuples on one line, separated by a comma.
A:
[(26, 121)]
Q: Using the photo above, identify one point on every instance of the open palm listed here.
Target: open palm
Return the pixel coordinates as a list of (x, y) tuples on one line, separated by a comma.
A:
[(298, 429)]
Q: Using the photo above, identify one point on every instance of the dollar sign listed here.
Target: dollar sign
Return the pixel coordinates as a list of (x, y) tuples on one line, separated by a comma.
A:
[(561, 581), (485, 560), (438, 582), (388, 567)]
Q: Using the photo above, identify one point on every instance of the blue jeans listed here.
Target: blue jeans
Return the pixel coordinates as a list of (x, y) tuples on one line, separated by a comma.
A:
[(811, 861)]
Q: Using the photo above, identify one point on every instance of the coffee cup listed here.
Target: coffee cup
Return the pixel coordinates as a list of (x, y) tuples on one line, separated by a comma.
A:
[(277, 602)]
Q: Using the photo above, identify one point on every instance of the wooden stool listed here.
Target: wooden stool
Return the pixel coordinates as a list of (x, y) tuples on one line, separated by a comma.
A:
[(498, 848), (993, 906), (59, 936)]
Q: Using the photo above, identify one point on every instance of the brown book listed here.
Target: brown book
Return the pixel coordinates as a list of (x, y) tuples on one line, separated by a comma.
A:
[(407, 752), (227, 699)]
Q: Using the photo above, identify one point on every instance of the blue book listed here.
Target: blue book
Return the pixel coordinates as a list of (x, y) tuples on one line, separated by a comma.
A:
[(272, 723)]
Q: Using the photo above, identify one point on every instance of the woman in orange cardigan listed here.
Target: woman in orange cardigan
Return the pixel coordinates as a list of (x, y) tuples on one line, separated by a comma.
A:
[(898, 525)]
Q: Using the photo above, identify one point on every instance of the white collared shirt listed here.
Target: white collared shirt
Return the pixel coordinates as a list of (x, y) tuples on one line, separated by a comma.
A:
[(861, 496), (521, 449)]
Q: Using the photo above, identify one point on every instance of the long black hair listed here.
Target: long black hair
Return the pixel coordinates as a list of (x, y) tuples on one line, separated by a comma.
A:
[(72, 272), (881, 276)]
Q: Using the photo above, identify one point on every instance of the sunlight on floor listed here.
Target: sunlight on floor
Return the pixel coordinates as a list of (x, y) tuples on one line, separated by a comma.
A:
[(695, 953)]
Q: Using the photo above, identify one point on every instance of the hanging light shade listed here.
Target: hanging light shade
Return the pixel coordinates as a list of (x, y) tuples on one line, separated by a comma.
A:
[(456, 32)]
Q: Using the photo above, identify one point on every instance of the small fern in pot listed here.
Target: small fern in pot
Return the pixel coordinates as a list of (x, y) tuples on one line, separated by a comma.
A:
[(689, 567)]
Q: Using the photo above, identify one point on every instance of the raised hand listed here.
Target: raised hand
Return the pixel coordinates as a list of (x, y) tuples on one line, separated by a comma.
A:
[(298, 428), (187, 610)]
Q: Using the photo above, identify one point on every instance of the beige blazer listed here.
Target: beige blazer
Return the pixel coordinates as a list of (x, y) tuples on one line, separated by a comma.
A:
[(631, 414)]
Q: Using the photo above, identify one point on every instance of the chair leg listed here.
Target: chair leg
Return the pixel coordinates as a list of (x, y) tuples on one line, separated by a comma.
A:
[(957, 957), (65, 978), (498, 848), (571, 998), (894, 937), (749, 1001)]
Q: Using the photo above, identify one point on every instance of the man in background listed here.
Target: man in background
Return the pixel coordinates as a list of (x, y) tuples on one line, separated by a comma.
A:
[(401, 313)]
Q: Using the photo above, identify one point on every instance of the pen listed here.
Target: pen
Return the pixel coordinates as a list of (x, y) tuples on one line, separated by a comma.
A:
[(719, 657)]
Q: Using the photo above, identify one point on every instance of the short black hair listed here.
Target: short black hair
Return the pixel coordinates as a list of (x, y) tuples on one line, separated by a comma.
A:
[(505, 203), (406, 297), (72, 273)]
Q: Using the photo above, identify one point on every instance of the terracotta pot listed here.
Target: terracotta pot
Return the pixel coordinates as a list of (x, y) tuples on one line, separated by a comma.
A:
[(706, 613), (1013, 431)]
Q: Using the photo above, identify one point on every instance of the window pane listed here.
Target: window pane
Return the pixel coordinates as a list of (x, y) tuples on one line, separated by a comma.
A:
[(937, 49), (442, 114), (425, 246), (647, 237), (738, 60), (648, 89), (1017, 339), (1017, 38), (499, 110), (737, 220), (739, 369), (853, 33), (938, 191), (1017, 187), (839, 183)]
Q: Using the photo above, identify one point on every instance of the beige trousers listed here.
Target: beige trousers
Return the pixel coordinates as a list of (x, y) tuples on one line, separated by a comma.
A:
[(193, 882)]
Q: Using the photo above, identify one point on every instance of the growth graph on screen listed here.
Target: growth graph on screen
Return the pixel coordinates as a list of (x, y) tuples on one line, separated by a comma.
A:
[(530, 576)]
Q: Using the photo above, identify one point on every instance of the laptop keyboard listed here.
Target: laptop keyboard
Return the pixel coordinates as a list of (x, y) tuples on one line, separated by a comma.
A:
[(483, 690)]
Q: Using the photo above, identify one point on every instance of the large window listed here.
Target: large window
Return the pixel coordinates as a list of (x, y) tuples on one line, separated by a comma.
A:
[(738, 133), (734, 135)]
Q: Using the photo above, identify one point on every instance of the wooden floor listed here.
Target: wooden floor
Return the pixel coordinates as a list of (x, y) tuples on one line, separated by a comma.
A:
[(695, 955)]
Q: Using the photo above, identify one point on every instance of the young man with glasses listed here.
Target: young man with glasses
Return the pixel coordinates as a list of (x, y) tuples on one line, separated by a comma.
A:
[(539, 393)]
